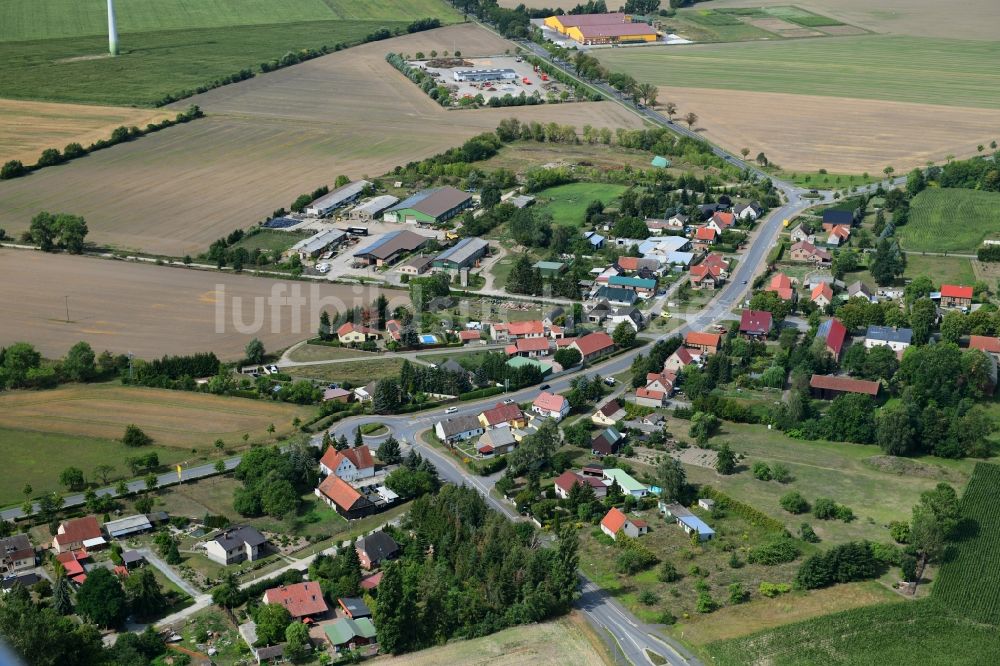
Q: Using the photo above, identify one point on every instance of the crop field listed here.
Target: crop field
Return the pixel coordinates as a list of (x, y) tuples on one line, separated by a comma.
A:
[(28, 128), (969, 583), (151, 310), (568, 203), (267, 140), (79, 425), (951, 220), (568, 640)]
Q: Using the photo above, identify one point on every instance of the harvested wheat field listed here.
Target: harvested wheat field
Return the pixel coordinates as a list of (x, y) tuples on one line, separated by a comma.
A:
[(267, 140), (810, 132), (155, 310), (28, 128)]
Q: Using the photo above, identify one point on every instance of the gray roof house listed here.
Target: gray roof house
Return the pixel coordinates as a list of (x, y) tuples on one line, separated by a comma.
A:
[(896, 338), (235, 544), (458, 428)]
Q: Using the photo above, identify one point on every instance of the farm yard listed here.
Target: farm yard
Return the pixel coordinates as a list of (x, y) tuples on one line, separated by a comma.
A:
[(44, 432), (951, 220), (149, 310), (267, 140), (803, 102)]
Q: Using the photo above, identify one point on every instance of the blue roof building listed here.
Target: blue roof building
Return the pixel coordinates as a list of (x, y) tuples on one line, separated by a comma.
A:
[(693, 524)]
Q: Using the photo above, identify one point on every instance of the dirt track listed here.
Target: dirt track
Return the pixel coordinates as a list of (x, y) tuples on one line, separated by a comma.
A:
[(153, 310), (266, 141), (808, 132)]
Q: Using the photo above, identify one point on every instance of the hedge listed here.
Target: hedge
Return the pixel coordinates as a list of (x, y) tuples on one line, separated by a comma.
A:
[(745, 511), (481, 393)]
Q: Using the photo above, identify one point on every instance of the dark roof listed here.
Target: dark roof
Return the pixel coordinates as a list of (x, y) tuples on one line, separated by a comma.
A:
[(459, 424), (755, 321), (238, 536), (354, 606), (838, 217), (25, 579), (434, 202), (130, 556), (391, 244), (890, 334), (378, 546)]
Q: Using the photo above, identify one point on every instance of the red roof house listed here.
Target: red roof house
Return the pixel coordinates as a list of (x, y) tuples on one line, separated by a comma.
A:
[(552, 405), (955, 296), (708, 343), (301, 599), (72, 534), (835, 334), (756, 323), (502, 415), (347, 501), (349, 464), (593, 345), (985, 343), (822, 294), (705, 235), (615, 521), (781, 284)]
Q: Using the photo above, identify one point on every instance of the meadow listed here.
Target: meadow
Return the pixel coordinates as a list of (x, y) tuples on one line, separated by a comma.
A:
[(568, 203), (951, 220), (941, 270), (355, 373), (79, 425)]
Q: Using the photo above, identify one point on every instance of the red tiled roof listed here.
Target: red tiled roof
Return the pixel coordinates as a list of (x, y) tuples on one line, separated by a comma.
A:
[(594, 342), (704, 233), (822, 289), (301, 599), (716, 259), (836, 337), (503, 414), (564, 342), (350, 326), (339, 491), (550, 402), (684, 355), (653, 394), (724, 219), (847, 384), (755, 321), (79, 529), (701, 338), (628, 263), (614, 520), (702, 270), (985, 343), (371, 582), (533, 327), (781, 284), (510, 350), (486, 448), (468, 335), (956, 291), (567, 480), (532, 344), (360, 456)]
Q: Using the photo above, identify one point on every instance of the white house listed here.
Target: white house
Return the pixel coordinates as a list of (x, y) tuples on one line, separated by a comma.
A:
[(236, 544), (349, 464), (615, 521), (551, 405), (896, 339), (458, 428)]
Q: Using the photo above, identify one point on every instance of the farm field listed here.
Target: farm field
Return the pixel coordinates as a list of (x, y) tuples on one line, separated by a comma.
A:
[(568, 640), (877, 488), (79, 425), (151, 310), (355, 373), (267, 140), (568, 203), (28, 128), (936, 220)]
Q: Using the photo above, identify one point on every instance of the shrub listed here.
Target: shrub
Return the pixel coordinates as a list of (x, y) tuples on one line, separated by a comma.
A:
[(776, 551), (780, 473), (735, 562), (737, 595), (887, 553), (705, 603), (908, 568), (761, 470), (666, 617), (844, 513), (825, 508), (899, 531), (648, 597), (772, 590), (668, 573), (807, 533), (794, 502), (841, 564), (134, 436)]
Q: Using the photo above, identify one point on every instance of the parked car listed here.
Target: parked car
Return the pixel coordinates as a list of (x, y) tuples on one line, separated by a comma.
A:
[(509, 401), (273, 369), (323, 268), (451, 410), (610, 381), (544, 387)]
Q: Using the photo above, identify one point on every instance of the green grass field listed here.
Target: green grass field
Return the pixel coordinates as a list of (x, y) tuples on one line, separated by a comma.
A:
[(272, 241), (941, 270), (826, 181), (54, 50), (903, 69), (356, 373), (950, 220), (568, 203), (50, 19), (962, 611)]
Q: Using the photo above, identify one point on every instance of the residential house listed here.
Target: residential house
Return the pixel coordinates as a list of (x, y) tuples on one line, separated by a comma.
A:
[(72, 560), (608, 414), (416, 266), (859, 289), (595, 239), (637, 264), (615, 521), (528, 347), (748, 211), (956, 296), (236, 544), (503, 416), (593, 345), (838, 234), (496, 442), (800, 235), (829, 387), (834, 334), (617, 295), (631, 315), (25, 580), (337, 395), (706, 343), (721, 222), (350, 464), (704, 276), (680, 359), (347, 634), (515, 330), (836, 217), (659, 386), (78, 533), (896, 339), (376, 548), (822, 295), (301, 600), (351, 333), (678, 220), (717, 260), (16, 554), (628, 485), (705, 236), (781, 285), (564, 484), (344, 499), (710, 209), (598, 313), (458, 428), (471, 337), (806, 251), (551, 405), (553, 317), (756, 324), (985, 343), (606, 443), (365, 393), (354, 607)]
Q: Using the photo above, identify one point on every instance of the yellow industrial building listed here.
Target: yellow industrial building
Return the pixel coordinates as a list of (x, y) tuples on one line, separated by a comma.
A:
[(601, 28)]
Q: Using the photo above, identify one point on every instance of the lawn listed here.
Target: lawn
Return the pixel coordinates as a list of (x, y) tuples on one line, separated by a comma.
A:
[(876, 488), (941, 270), (951, 220), (78, 425), (909, 69), (271, 241), (827, 181), (355, 373), (568, 203), (327, 353)]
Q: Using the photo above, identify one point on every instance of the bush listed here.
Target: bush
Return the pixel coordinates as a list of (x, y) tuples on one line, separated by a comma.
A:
[(668, 573), (841, 564), (825, 508), (648, 597), (775, 551), (899, 531), (705, 603), (807, 533), (761, 470), (772, 590), (134, 436), (12, 169), (668, 618), (794, 502), (780, 473)]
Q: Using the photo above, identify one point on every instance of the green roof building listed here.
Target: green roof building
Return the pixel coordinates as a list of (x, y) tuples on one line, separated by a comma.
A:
[(550, 269), (626, 482), (521, 361), (345, 631), (661, 162)]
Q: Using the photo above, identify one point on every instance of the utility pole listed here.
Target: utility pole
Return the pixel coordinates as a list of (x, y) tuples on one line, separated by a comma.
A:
[(67, 308)]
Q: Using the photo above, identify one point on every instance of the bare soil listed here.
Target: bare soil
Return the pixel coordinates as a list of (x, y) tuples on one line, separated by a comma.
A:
[(810, 132), (267, 140), (155, 310)]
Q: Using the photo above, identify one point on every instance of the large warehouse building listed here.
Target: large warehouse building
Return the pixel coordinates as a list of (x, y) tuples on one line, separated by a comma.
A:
[(341, 196), (390, 247), (464, 254), (432, 206), (485, 75), (611, 28)]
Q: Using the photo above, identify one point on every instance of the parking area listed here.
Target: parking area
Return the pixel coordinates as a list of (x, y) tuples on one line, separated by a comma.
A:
[(342, 262), (525, 78)]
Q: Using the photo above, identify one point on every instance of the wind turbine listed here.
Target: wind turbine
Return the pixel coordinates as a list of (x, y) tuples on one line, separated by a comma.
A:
[(112, 29)]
